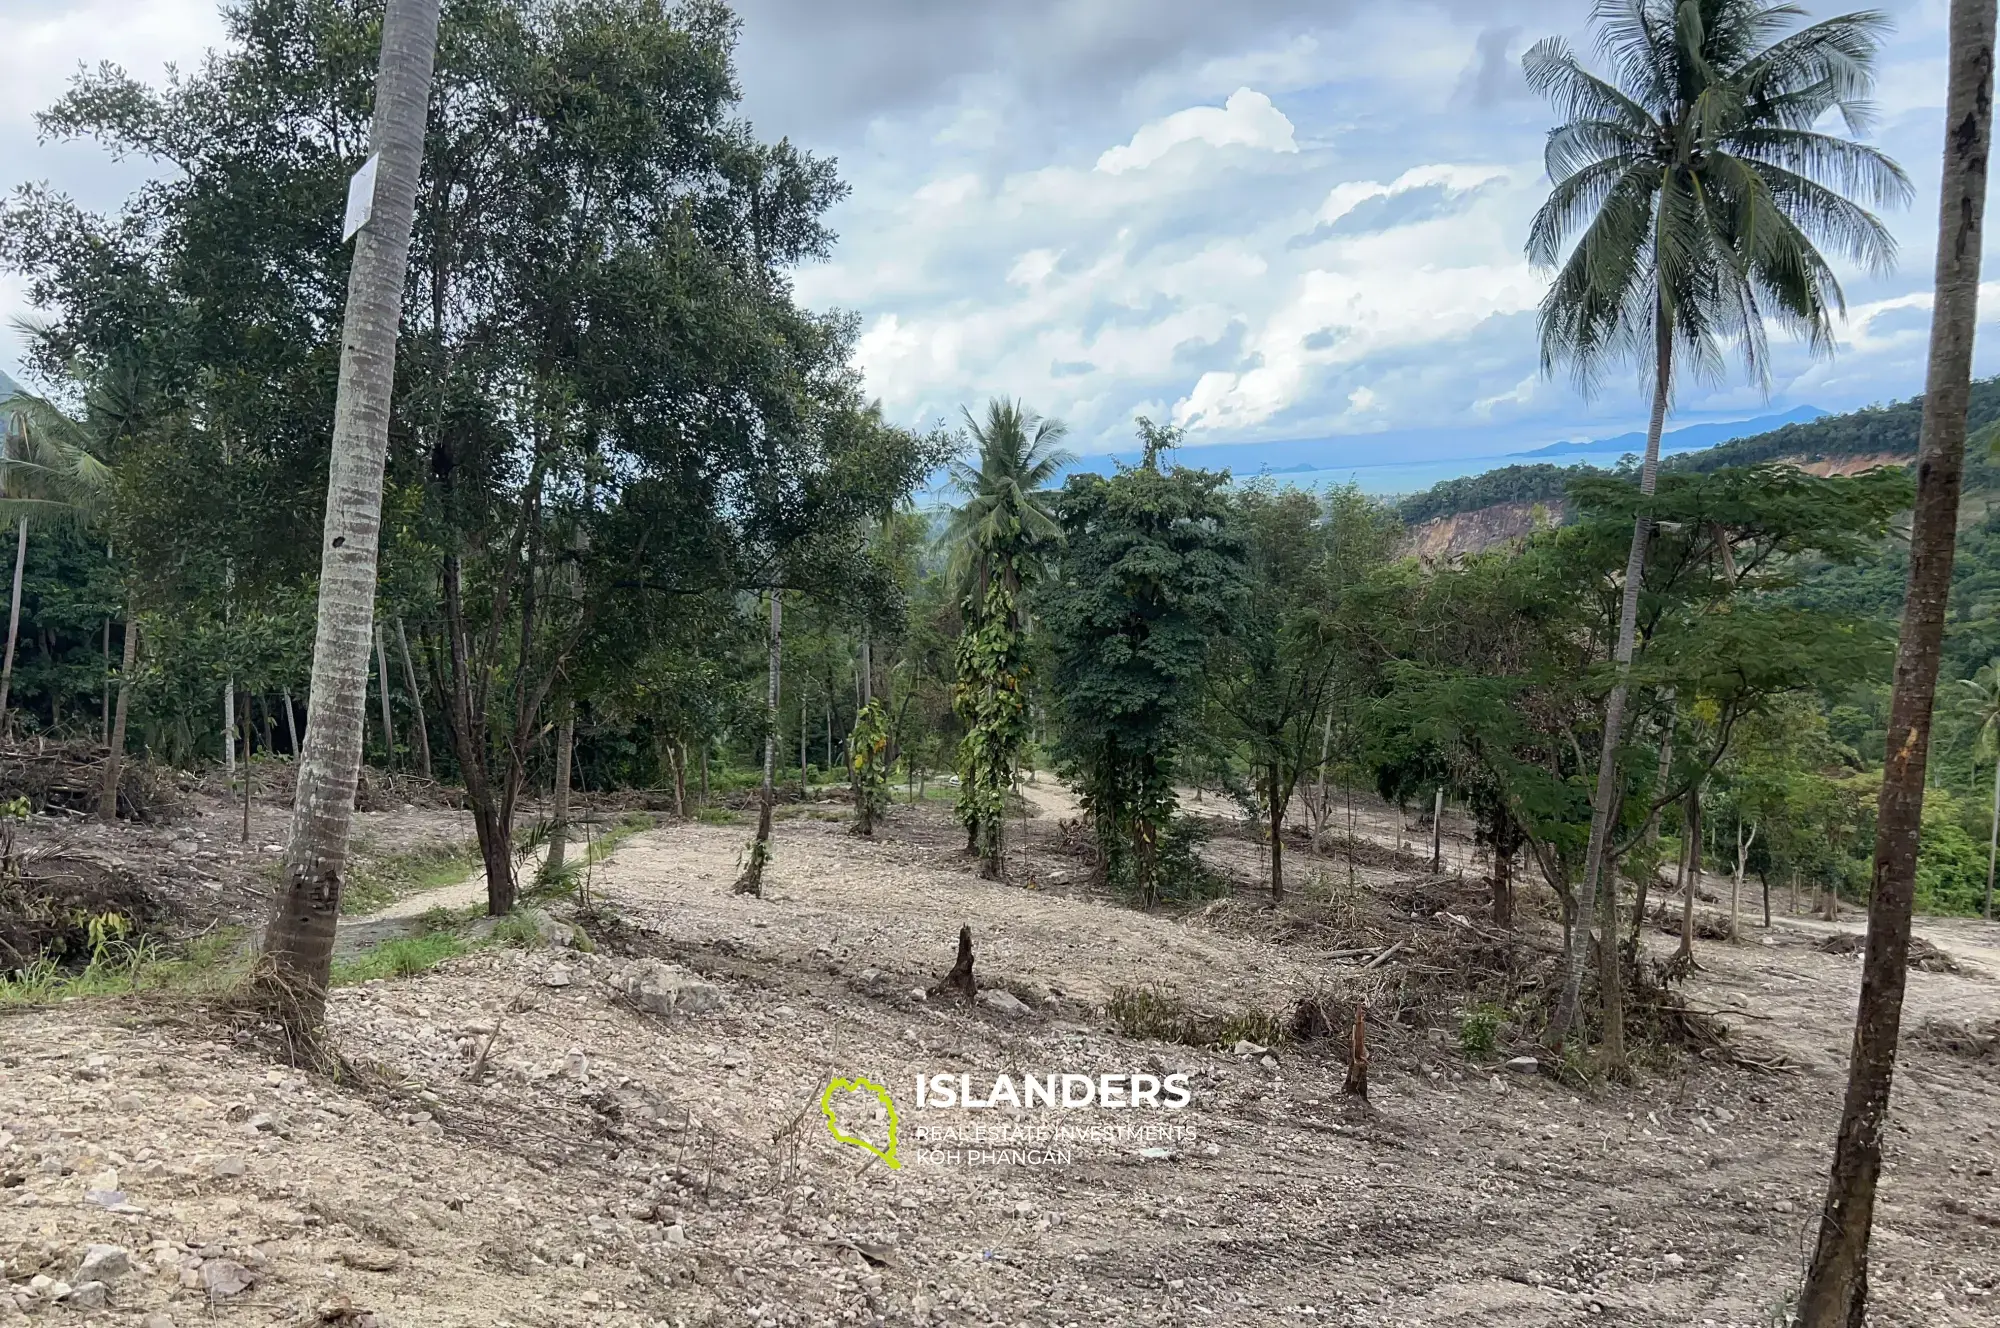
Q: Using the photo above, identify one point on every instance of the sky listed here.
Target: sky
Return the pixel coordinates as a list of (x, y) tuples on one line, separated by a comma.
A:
[(1290, 226)]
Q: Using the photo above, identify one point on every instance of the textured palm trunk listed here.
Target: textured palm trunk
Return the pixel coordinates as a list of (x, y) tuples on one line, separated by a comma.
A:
[(13, 626), (559, 811), (416, 703), (298, 943), (114, 757), (1642, 883), (1993, 841), (751, 882), (1836, 1286), (1683, 960), (1614, 705)]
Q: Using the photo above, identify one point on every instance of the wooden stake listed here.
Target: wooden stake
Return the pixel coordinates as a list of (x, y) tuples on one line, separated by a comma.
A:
[(960, 977)]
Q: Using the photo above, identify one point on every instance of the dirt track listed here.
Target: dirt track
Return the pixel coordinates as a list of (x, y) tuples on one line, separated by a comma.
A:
[(620, 1168)]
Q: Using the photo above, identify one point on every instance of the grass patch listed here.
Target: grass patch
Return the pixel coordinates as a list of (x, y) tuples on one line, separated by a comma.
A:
[(1151, 1014), (380, 882), (717, 816), (205, 966), (401, 958)]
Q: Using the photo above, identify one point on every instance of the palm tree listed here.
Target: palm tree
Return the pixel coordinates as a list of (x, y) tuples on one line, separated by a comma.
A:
[(1984, 689), (1835, 1294), (1699, 195), (999, 538), (49, 472), (298, 943), (1006, 522)]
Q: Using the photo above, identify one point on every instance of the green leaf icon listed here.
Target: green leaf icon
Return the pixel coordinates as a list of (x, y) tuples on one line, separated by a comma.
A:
[(888, 1153)]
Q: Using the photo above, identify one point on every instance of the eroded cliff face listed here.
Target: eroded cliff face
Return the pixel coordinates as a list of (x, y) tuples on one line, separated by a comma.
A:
[(1462, 533)]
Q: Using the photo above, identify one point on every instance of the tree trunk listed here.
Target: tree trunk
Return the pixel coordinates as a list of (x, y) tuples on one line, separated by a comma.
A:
[(416, 703), (298, 944), (246, 769), (1993, 841), (1277, 837), (229, 723), (13, 624), (382, 679), (1325, 750), (1643, 881), (751, 882), (1736, 882), (1683, 959), (559, 811), (704, 772), (114, 756), (291, 722), (104, 728), (1836, 1286), (1437, 832), (1504, 846), (1610, 974), (1614, 705)]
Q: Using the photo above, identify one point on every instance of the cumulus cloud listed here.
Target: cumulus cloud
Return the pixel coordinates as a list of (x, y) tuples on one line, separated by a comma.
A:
[(1247, 119)]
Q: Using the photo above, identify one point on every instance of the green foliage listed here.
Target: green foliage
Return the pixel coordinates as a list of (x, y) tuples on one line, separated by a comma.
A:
[(1951, 864), (1479, 1031), (869, 744), (401, 958), (1694, 188), (1151, 574), (991, 701), (1539, 483)]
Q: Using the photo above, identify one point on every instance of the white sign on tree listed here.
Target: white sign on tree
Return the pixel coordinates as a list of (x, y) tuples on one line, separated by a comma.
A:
[(360, 198)]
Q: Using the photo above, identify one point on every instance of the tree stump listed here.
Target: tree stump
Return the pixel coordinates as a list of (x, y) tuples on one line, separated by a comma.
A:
[(960, 977), (1357, 1057)]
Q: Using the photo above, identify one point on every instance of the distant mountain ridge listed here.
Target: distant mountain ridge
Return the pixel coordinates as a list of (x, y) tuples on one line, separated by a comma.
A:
[(1688, 439), (1530, 493)]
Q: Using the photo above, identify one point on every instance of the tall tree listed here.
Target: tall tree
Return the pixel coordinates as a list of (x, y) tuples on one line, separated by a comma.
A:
[(1000, 537), (1836, 1286), (1701, 196), (1151, 571), (298, 943)]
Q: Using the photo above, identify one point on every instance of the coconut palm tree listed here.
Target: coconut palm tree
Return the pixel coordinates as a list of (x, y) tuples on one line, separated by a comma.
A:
[(298, 942), (1694, 202), (1005, 523), (49, 474), (999, 538), (1835, 1294)]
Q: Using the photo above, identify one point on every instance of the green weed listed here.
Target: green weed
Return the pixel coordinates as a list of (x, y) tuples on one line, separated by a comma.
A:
[(401, 958), (1479, 1031)]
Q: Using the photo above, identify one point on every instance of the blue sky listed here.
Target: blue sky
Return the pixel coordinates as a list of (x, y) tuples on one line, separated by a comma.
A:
[(1268, 220)]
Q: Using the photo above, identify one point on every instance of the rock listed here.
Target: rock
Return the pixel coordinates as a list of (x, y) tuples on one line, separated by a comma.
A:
[(1211, 1149), (919, 994), (224, 1167), (1248, 1048), (1523, 1065), (1157, 1154), (677, 1234), (373, 1261), (105, 1198), (88, 1296), (657, 989), (1269, 1062), (223, 1278), (549, 931), (156, 1321), (576, 1065), (1673, 1261), (104, 1263), (1001, 1001), (1782, 1206), (557, 976), (591, 1299)]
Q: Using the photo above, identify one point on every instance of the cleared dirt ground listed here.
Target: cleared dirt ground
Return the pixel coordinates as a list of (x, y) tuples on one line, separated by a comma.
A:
[(617, 1167)]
